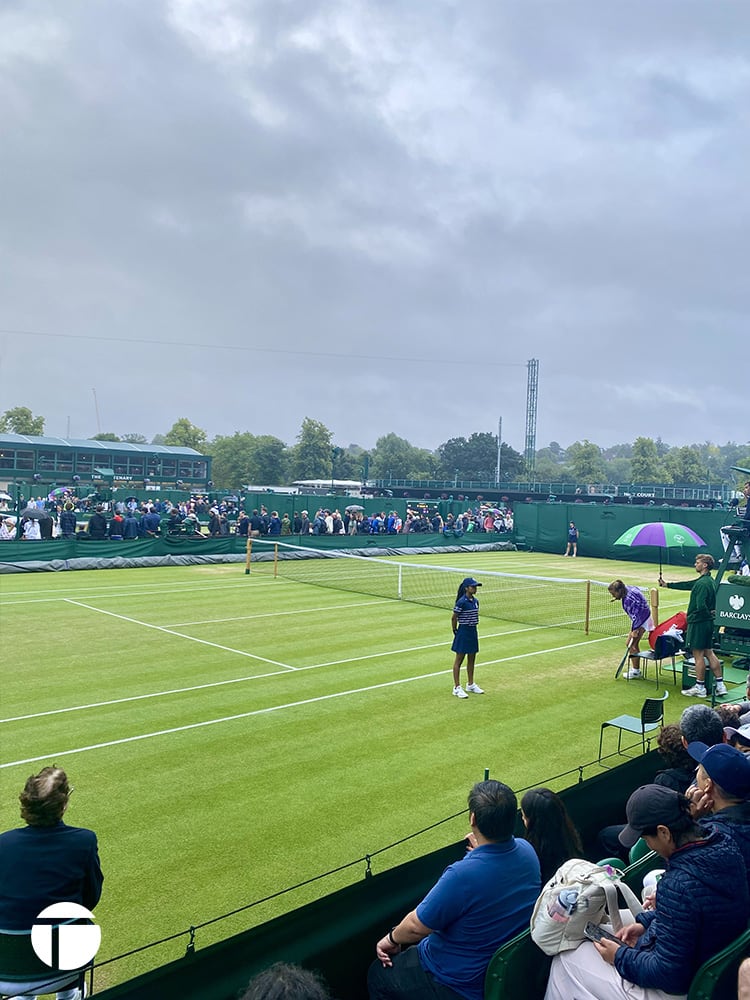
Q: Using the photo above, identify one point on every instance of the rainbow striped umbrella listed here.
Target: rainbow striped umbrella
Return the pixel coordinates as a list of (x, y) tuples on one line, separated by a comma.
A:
[(662, 534)]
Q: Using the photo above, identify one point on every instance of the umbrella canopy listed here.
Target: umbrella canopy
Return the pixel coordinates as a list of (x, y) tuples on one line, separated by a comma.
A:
[(662, 534), (59, 492), (34, 514), (354, 506), (5, 496)]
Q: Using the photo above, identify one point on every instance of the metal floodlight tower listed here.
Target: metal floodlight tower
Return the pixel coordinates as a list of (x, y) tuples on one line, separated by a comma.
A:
[(532, 386)]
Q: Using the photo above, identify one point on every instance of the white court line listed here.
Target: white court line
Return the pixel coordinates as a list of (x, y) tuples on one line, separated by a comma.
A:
[(122, 592), (278, 614), (274, 708), (169, 631), (242, 680)]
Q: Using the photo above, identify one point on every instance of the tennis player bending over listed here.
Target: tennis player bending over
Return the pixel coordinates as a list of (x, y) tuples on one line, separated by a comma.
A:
[(465, 637), (635, 606)]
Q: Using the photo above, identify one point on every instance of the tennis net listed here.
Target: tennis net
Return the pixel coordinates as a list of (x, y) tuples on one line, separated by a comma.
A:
[(584, 605)]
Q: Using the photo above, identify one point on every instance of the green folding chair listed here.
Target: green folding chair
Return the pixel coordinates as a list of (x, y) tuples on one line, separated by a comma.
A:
[(651, 717), (517, 969)]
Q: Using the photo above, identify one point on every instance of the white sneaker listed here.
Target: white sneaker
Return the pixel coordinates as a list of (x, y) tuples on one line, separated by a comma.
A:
[(474, 688), (633, 674), (459, 692), (721, 688), (697, 691)]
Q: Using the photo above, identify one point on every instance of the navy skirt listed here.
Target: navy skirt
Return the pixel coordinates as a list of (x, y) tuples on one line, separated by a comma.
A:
[(466, 639)]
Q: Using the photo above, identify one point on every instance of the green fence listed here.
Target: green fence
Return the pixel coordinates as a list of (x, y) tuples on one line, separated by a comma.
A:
[(544, 527)]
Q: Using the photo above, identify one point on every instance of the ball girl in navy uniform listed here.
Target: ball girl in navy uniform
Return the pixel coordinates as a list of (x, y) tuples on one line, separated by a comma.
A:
[(465, 638), (572, 540)]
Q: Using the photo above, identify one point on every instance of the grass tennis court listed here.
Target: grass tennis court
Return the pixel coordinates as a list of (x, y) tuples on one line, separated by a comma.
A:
[(229, 736)]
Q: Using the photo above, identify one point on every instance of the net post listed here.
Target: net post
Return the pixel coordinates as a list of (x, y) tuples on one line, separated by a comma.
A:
[(400, 589), (588, 606), (248, 554), (275, 560), (655, 605)]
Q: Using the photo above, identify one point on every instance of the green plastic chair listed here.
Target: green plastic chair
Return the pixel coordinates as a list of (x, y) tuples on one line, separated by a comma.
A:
[(651, 718), (517, 969), (639, 850), (717, 977)]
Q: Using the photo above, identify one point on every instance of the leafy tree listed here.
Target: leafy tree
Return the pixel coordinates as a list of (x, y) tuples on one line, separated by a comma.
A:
[(20, 420), (231, 459), (135, 438), (511, 463), (547, 469), (270, 461), (586, 462), (158, 439), (395, 458), (312, 455), (183, 434), (473, 458), (105, 436), (685, 465), (646, 466), (244, 458), (618, 470)]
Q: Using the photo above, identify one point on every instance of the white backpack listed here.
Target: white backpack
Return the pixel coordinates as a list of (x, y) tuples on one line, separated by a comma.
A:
[(577, 893)]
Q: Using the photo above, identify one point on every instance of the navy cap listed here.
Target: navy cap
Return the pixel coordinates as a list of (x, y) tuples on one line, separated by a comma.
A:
[(470, 582), (727, 766), (650, 806)]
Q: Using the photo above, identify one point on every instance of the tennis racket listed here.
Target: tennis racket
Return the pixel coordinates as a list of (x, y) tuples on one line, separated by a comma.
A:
[(623, 660)]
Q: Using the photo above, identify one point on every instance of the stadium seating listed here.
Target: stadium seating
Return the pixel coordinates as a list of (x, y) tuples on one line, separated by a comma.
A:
[(717, 977)]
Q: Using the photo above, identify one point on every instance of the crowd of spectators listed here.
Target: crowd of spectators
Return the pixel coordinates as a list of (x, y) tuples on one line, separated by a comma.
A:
[(68, 516)]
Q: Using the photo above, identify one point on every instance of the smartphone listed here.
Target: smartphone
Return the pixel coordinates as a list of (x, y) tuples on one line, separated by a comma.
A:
[(595, 933)]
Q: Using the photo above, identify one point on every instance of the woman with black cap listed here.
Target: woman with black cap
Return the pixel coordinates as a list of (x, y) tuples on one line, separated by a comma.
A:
[(465, 637)]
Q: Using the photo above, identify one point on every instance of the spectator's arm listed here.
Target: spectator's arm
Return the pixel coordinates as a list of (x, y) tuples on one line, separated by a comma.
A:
[(409, 931)]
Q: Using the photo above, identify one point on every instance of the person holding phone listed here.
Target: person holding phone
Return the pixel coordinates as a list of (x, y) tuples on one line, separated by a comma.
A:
[(697, 912)]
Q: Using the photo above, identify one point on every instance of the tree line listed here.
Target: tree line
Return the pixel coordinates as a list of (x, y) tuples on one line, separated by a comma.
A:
[(263, 459)]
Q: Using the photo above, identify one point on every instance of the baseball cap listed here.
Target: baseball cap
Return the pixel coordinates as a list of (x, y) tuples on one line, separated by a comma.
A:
[(469, 581), (727, 766), (650, 806), (741, 732)]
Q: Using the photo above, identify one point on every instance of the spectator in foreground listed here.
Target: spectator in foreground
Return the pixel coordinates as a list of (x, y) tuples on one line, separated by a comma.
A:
[(478, 903), (47, 861), (286, 982), (679, 772), (721, 792), (697, 911), (549, 830)]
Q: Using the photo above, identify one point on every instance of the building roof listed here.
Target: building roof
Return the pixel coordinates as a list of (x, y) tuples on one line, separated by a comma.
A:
[(90, 445)]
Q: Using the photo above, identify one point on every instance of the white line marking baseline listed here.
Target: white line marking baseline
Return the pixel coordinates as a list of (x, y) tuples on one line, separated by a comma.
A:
[(276, 708)]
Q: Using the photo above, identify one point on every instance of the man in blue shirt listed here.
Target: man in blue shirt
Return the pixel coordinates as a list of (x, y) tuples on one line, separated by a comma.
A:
[(477, 904)]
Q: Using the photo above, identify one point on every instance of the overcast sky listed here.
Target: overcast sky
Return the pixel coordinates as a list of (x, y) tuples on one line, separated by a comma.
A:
[(374, 214)]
